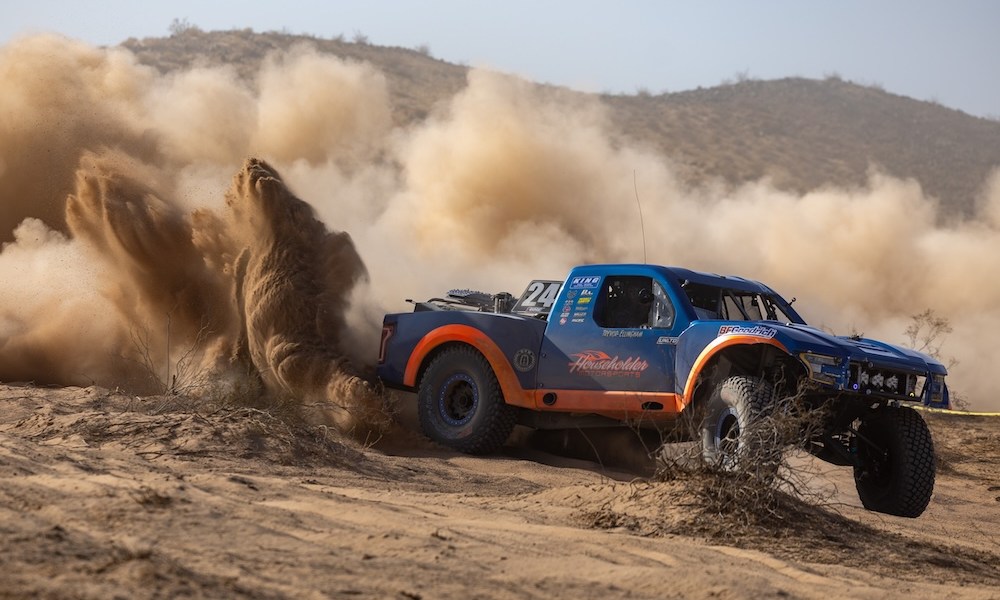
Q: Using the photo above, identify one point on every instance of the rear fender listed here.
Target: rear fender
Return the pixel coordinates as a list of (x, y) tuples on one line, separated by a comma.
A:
[(441, 337)]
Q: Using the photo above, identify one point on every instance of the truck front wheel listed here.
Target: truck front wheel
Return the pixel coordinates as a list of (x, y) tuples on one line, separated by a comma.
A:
[(460, 403), (735, 434), (895, 470)]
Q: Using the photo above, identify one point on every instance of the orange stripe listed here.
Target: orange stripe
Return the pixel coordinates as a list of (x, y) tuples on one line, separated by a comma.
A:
[(612, 404), (719, 343), (509, 384)]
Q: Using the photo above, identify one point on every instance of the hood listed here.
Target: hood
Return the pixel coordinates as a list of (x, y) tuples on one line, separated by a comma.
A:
[(805, 338)]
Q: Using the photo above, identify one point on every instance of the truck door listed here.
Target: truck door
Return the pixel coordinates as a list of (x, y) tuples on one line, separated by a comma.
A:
[(611, 333)]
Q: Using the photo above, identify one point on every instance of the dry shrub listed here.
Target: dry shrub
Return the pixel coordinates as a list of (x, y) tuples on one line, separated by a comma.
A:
[(757, 491), (760, 487), (768, 503), (736, 511)]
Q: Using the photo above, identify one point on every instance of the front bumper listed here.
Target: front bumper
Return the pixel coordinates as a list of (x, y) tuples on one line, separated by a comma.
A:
[(867, 378)]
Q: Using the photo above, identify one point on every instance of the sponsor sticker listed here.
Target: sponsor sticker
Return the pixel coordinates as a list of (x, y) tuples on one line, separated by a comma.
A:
[(588, 282), (754, 331), (524, 360), (597, 363), (584, 300), (666, 340)]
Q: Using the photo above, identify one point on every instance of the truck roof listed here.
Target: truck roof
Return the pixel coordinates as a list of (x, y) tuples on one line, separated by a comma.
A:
[(679, 275)]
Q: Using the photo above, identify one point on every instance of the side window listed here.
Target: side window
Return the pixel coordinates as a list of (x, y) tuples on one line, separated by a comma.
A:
[(662, 314), (705, 300), (631, 302), (730, 309)]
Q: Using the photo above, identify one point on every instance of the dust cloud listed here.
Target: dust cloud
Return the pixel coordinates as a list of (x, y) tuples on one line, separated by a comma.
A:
[(126, 253)]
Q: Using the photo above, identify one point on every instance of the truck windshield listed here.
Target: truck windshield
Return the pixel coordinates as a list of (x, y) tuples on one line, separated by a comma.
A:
[(716, 303)]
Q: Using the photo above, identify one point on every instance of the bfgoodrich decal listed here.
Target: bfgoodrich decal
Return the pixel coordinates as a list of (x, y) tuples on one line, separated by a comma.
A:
[(755, 331)]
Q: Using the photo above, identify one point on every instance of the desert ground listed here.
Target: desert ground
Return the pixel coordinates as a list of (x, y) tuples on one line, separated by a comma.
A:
[(108, 495)]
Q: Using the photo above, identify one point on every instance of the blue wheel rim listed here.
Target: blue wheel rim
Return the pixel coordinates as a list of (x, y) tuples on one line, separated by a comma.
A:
[(458, 400), (727, 431)]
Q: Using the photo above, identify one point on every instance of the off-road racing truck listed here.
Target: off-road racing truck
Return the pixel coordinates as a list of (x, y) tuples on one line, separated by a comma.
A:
[(644, 345)]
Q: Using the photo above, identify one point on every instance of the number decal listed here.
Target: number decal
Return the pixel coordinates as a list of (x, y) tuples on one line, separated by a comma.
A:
[(549, 295), (535, 289), (538, 298)]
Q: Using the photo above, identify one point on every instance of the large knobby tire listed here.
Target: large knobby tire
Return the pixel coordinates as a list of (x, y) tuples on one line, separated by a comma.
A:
[(735, 435), (460, 403), (895, 471)]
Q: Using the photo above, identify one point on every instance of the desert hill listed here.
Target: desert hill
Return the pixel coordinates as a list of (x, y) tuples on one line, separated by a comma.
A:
[(801, 133), (806, 133)]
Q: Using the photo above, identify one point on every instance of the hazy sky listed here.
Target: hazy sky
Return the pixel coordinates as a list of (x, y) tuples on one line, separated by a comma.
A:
[(946, 51)]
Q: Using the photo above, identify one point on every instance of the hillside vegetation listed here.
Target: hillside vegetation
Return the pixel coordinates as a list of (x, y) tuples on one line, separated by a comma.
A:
[(801, 133)]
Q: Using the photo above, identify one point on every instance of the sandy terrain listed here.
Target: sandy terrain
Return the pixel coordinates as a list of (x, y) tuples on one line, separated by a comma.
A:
[(105, 495)]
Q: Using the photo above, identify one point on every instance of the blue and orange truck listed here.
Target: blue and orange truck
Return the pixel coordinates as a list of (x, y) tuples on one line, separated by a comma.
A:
[(651, 346)]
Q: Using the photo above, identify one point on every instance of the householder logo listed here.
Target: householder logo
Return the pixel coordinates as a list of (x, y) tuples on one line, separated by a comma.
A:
[(597, 363)]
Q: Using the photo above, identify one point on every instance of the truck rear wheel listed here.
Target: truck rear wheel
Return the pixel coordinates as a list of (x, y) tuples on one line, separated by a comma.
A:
[(460, 403), (733, 436), (895, 471)]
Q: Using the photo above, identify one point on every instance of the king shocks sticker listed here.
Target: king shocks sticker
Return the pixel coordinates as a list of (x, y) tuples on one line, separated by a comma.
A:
[(588, 282)]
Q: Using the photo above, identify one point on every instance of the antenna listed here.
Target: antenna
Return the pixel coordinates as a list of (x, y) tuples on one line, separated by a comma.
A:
[(642, 224)]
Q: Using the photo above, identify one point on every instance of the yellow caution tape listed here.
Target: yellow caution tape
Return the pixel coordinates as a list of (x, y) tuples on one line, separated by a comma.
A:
[(964, 413)]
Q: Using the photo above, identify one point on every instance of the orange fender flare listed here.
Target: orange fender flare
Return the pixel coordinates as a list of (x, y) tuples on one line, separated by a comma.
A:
[(513, 393), (717, 345)]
